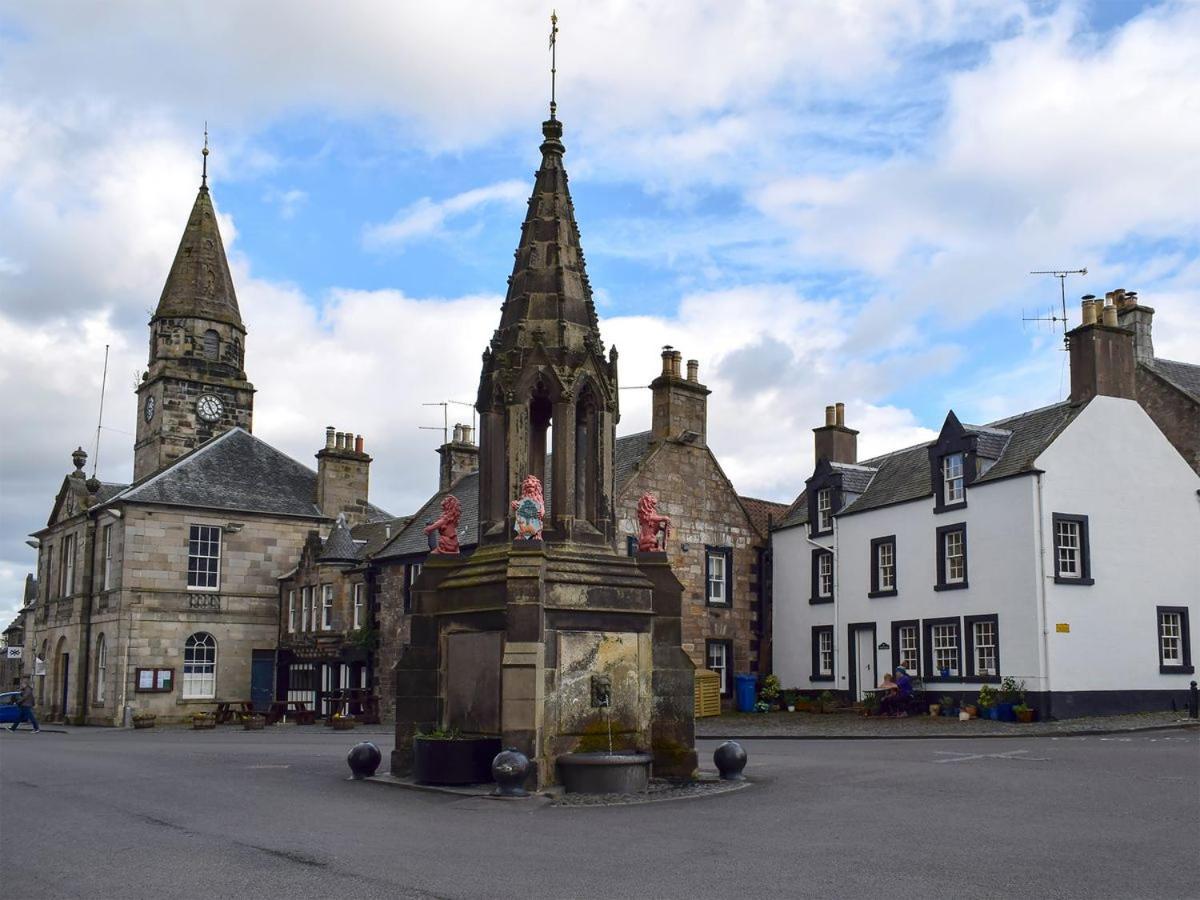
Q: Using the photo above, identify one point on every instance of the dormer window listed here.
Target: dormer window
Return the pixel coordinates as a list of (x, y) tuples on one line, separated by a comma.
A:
[(953, 486), (825, 509)]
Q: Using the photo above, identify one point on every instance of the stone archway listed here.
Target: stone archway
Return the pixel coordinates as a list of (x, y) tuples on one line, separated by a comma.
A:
[(61, 681)]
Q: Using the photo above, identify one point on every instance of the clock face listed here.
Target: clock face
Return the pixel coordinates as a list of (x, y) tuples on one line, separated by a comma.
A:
[(148, 409), (209, 408)]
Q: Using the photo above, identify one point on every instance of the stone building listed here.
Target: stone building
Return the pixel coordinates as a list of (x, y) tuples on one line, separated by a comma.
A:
[(163, 595), (13, 663)]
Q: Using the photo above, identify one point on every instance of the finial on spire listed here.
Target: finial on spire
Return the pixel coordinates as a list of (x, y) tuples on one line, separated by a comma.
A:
[(553, 58), (204, 154)]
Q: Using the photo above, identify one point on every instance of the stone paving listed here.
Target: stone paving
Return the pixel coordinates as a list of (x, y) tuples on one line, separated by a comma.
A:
[(658, 791), (851, 725)]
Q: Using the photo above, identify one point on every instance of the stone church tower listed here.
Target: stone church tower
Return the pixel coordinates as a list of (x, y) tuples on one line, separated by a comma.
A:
[(195, 385)]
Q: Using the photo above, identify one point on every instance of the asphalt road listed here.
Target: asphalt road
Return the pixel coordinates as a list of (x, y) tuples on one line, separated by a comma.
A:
[(118, 814)]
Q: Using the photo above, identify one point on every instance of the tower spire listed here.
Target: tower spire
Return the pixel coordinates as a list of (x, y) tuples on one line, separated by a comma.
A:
[(204, 154), (553, 58)]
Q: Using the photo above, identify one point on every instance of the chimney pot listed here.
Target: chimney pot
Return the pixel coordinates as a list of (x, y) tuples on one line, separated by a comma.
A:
[(458, 434), (468, 434), (830, 416), (676, 358), (1110, 316), (693, 370), (329, 437), (341, 441), (1088, 312), (839, 410), (666, 358), (358, 443)]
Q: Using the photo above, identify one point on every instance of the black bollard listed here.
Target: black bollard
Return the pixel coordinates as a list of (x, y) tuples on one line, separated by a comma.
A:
[(730, 759), (1194, 702), (510, 769), (363, 759)]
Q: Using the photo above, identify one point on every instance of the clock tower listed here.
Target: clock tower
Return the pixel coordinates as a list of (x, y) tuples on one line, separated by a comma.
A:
[(195, 386)]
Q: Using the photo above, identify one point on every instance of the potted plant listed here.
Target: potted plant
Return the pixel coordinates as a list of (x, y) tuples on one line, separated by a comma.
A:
[(787, 699), (869, 705), (341, 722), (768, 692), (827, 701), (935, 709), (1024, 713), (446, 756), (143, 719), (254, 721), (1011, 693), (948, 707), (987, 701), (203, 720)]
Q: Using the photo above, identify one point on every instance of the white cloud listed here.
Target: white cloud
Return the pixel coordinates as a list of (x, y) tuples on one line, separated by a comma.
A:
[(426, 218), (288, 201)]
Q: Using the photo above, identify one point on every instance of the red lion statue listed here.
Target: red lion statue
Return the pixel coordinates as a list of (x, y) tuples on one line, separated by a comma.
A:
[(529, 510), (651, 524), (446, 526)]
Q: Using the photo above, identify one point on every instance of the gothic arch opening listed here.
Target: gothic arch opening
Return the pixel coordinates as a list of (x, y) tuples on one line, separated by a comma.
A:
[(587, 455)]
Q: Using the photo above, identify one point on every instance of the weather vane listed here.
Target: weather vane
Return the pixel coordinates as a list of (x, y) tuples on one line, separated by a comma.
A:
[(1061, 275), (553, 58), (204, 154)]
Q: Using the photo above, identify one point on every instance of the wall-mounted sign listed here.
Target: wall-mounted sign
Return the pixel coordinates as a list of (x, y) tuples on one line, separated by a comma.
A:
[(1063, 627), (201, 601), (39, 666), (155, 681), (884, 646), (14, 652)]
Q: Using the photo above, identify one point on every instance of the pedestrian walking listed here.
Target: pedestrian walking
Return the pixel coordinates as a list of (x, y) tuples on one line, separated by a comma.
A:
[(25, 702)]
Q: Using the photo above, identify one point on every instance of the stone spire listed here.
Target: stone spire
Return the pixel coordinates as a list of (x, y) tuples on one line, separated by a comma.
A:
[(199, 283)]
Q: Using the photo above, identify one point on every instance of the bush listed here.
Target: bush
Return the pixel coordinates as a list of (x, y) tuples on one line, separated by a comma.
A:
[(769, 691), (987, 697)]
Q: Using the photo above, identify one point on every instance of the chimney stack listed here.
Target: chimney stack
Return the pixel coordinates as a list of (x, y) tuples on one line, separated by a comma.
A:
[(459, 457), (679, 406), (1140, 320), (833, 440), (343, 476), (1102, 351)]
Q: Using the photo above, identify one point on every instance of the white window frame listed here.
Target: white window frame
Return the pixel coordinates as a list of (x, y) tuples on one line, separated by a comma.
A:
[(945, 639), (327, 607), (958, 538), (825, 574), (1170, 638), (314, 611), (199, 667), (1068, 548), (716, 593), (825, 652), (107, 578), (721, 665), (291, 612), (886, 565), (954, 489), (101, 667), (908, 651), (986, 653), (304, 605), (824, 509), (200, 578), (66, 572), (358, 604)]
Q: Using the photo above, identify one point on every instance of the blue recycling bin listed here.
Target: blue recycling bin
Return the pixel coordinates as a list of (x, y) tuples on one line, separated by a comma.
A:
[(745, 689)]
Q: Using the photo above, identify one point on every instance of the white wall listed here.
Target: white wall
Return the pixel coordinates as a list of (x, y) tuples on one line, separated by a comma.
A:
[(793, 617), (1113, 465)]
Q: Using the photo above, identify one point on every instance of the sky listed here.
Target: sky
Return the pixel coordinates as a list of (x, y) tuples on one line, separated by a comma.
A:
[(819, 201)]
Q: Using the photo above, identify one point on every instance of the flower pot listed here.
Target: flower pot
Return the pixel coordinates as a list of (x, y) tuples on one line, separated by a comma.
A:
[(203, 721), (143, 721), (1026, 715), (1004, 712), (791, 709), (342, 723), (459, 761), (993, 713), (254, 722), (971, 711), (935, 709)]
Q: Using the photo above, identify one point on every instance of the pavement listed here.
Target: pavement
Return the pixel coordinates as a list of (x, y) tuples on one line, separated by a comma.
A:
[(850, 725), (172, 813)]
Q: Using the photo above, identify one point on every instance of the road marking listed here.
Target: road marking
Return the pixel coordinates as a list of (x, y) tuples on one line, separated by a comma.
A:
[(270, 767), (1014, 755)]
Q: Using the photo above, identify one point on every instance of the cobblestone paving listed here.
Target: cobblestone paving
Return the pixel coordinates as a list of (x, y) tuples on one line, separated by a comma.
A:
[(851, 725), (659, 791)]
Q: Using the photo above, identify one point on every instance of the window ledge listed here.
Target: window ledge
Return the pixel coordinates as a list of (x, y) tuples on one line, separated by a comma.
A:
[(814, 601), (872, 595), (948, 679), (983, 679), (826, 533), (820, 678), (1176, 670), (1059, 579), (957, 586), (949, 507), (712, 605)]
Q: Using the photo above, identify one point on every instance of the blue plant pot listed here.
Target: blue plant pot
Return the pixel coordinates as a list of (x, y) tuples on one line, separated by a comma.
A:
[(1005, 712), (994, 714)]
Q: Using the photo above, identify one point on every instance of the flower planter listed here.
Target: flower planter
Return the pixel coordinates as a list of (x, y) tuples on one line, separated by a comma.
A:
[(1026, 715), (254, 722), (1004, 712), (991, 713), (342, 723), (203, 721), (143, 721), (458, 761)]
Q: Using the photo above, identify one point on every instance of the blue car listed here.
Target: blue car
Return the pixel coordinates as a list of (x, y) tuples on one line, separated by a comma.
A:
[(9, 711)]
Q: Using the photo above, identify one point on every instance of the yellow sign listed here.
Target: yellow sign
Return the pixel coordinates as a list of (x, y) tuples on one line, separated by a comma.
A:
[(1063, 627)]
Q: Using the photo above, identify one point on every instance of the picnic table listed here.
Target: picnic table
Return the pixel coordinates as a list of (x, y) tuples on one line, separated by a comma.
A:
[(297, 709), (228, 709)]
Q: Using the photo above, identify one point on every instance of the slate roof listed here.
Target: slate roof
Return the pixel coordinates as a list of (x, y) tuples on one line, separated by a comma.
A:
[(763, 511), (990, 442), (904, 474), (1184, 376), (855, 479), (340, 546), (628, 451), (238, 472), (371, 536)]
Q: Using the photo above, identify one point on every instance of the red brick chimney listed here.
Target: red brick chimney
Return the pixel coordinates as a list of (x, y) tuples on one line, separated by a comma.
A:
[(680, 405), (1103, 357), (833, 440), (343, 476)]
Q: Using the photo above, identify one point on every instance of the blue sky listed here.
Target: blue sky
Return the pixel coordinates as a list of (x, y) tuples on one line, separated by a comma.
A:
[(820, 202)]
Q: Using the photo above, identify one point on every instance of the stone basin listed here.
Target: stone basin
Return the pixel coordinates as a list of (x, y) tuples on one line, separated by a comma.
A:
[(605, 773)]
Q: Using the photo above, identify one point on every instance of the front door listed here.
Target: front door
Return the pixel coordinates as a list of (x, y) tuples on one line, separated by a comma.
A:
[(262, 678), (864, 660)]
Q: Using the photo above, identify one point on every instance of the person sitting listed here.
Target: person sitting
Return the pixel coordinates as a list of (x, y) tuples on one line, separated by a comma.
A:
[(886, 691)]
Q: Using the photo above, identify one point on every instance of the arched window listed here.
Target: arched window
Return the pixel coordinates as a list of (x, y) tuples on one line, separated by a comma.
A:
[(101, 667), (212, 344), (200, 666)]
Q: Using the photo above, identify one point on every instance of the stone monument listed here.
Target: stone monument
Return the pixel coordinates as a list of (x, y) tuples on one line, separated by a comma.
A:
[(546, 636)]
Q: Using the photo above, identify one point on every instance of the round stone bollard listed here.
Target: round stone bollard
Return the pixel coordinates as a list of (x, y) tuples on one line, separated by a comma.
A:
[(363, 759), (510, 769), (730, 759)]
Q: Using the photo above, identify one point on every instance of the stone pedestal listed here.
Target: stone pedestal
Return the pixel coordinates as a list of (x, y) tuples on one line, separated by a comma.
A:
[(514, 640)]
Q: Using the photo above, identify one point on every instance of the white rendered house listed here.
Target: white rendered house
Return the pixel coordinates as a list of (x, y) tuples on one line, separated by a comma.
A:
[(1059, 546)]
